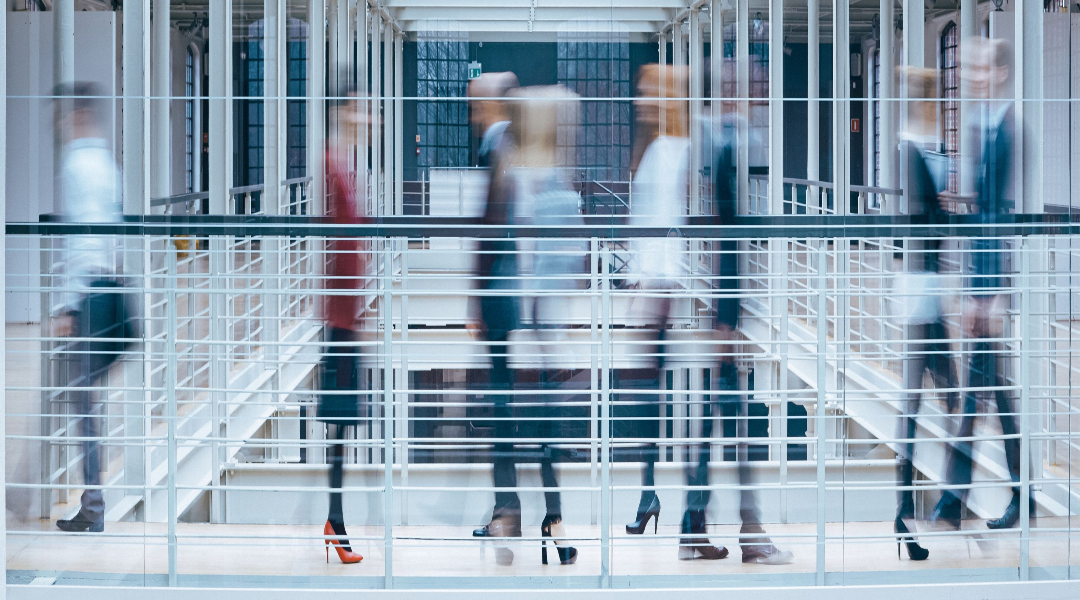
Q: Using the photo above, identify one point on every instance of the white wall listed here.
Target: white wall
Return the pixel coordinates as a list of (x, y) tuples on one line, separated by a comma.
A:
[(30, 134)]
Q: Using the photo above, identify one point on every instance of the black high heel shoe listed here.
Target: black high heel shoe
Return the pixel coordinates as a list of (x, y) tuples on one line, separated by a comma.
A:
[(567, 554), (643, 516), (914, 550)]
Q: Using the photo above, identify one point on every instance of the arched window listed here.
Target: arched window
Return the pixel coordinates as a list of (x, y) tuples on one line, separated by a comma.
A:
[(189, 121), (950, 108)]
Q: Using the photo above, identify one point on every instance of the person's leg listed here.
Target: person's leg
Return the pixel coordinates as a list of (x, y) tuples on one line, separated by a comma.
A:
[(97, 319), (939, 362), (1012, 453), (92, 501), (915, 364), (336, 515), (650, 452), (958, 471)]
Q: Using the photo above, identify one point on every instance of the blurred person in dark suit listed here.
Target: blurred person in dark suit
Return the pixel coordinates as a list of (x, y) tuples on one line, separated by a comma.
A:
[(987, 70), (90, 305), (499, 305)]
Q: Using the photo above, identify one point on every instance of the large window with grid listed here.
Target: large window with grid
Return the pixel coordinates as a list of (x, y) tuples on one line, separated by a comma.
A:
[(950, 94), (189, 121), (597, 65), (442, 118), (296, 109), (249, 108)]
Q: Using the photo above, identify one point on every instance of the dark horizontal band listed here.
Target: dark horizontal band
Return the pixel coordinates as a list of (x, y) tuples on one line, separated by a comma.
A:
[(785, 226)]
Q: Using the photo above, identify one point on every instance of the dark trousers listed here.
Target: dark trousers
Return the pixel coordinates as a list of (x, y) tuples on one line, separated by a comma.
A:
[(985, 370), (101, 315), (930, 355), (730, 406), (501, 314)]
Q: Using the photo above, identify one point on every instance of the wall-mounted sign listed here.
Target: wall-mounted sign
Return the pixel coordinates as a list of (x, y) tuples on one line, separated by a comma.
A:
[(854, 126), (474, 70)]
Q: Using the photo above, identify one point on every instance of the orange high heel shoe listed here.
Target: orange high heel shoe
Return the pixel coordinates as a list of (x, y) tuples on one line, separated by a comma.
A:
[(347, 556)]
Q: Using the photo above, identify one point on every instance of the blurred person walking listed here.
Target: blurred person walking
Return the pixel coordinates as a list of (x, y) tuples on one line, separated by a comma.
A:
[(987, 70), (499, 305), (660, 188), (90, 307), (346, 265), (545, 198), (925, 169), (754, 545)]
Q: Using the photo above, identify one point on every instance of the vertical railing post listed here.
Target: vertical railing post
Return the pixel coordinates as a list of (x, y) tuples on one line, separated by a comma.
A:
[(780, 304), (388, 414), (594, 365), (170, 395), (605, 421), (1025, 381), (403, 354), (822, 399), (45, 395), (219, 373)]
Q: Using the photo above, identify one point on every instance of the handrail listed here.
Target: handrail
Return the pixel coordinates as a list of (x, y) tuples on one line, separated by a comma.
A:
[(809, 182), (759, 227), (258, 187), (870, 189), (180, 198), (304, 179)]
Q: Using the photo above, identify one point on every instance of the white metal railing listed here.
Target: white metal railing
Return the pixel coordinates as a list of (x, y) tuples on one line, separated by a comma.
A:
[(224, 379)]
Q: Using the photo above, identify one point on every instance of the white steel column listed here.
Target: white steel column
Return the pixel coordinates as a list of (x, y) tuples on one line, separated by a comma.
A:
[(316, 129), (136, 60), (697, 90), (275, 77), (376, 113), (888, 106), (363, 34), (914, 56), (742, 76), (399, 142), (841, 107), (967, 139), (813, 105), (135, 134), (221, 169), (776, 107), (334, 52), (220, 126), (275, 89), (3, 297), (1029, 130), (63, 41), (63, 68), (388, 116), (678, 45), (159, 109), (716, 57)]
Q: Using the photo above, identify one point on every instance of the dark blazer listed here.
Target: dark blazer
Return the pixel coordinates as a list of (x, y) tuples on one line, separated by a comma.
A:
[(922, 193), (726, 198), (991, 186)]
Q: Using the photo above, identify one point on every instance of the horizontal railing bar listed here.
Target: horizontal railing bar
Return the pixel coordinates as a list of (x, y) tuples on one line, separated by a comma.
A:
[(787, 226)]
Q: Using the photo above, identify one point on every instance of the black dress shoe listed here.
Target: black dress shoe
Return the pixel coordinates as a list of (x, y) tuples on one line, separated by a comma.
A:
[(947, 510), (80, 523), (1012, 514)]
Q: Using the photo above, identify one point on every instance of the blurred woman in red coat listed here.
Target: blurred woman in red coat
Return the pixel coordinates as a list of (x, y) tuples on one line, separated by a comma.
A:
[(346, 263)]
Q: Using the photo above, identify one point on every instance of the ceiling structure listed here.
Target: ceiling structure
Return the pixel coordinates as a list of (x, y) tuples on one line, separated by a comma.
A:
[(528, 17)]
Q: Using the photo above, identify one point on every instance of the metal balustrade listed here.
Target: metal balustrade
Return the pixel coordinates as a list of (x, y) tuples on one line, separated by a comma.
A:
[(211, 418)]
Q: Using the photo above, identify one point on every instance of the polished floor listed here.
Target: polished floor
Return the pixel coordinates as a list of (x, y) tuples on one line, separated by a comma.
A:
[(435, 551)]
